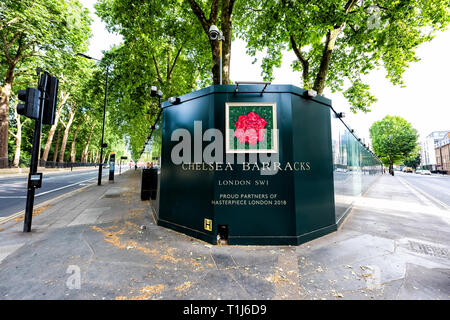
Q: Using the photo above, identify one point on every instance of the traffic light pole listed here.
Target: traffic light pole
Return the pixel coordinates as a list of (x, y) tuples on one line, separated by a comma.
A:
[(35, 155)]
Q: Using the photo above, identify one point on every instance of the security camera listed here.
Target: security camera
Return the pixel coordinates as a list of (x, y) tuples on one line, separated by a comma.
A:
[(174, 100), (214, 33), (310, 93)]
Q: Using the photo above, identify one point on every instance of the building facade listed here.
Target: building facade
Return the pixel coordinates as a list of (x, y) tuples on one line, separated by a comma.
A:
[(442, 153), (428, 154)]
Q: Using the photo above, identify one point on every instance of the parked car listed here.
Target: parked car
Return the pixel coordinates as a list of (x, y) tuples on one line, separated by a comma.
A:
[(407, 169), (418, 171), (425, 172)]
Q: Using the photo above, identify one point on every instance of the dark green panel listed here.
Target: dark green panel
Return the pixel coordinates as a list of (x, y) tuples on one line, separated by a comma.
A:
[(314, 188), (254, 220), (185, 195), (290, 207)]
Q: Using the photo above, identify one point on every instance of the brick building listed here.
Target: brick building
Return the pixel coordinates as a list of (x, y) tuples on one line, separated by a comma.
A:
[(442, 151)]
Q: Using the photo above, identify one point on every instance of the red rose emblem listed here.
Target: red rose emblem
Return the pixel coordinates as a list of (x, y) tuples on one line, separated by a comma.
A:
[(250, 128)]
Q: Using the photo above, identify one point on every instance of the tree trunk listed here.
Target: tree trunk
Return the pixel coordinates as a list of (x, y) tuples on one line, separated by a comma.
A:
[(51, 133), (319, 83), (304, 62), (5, 93), (226, 21), (215, 52), (86, 148), (18, 137), (73, 151), (58, 140), (96, 157), (331, 37), (391, 165), (66, 134), (226, 25)]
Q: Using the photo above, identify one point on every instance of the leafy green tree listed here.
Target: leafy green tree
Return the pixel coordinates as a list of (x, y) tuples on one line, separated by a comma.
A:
[(73, 73), (161, 47), (413, 160), (337, 42), (394, 140), (35, 30), (19, 125)]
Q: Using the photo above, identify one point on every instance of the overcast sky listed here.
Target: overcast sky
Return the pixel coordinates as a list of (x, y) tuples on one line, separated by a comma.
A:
[(423, 102)]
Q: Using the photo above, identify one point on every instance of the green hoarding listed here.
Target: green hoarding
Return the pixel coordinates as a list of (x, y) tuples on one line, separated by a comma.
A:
[(249, 167)]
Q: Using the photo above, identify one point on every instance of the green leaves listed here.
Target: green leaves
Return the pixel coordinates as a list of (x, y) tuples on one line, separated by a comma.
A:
[(393, 139), (338, 41), (359, 97), (44, 33), (164, 45)]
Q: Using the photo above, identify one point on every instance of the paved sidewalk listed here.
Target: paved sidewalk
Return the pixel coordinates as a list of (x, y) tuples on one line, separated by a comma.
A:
[(393, 245)]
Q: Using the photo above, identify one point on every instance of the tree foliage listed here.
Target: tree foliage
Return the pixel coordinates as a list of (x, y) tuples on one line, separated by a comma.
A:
[(337, 42), (394, 140), (161, 47), (35, 33)]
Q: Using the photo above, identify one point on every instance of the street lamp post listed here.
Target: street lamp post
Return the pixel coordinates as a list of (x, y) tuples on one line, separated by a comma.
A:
[(100, 167), (391, 166)]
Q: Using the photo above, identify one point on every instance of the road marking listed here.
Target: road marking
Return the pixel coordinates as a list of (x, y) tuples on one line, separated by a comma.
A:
[(18, 214), (46, 192), (422, 194), (4, 220), (49, 191)]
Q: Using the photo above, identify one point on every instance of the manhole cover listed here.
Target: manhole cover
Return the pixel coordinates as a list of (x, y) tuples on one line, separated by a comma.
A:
[(428, 249)]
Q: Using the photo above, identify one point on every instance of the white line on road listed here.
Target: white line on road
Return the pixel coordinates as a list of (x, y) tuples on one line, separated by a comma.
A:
[(422, 194), (46, 192)]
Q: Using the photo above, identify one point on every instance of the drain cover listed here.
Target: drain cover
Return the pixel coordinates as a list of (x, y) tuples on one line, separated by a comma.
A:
[(428, 249)]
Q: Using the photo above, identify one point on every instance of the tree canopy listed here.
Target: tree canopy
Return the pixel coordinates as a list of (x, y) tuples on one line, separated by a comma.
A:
[(337, 42), (394, 140), (166, 43), (160, 48), (36, 33)]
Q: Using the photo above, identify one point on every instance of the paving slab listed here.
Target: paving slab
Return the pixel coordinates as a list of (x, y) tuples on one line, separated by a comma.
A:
[(103, 243)]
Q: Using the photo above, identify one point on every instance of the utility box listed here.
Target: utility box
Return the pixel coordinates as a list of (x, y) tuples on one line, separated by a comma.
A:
[(112, 163), (149, 184), (249, 163)]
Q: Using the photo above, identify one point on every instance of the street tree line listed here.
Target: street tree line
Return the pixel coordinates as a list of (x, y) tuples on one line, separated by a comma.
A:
[(49, 34), (166, 43)]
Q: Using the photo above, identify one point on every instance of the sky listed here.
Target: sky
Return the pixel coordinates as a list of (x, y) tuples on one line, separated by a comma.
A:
[(423, 102)]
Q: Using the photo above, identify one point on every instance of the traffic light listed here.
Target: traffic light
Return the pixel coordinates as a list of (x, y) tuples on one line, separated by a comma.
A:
[(31, 106), (51, 95)]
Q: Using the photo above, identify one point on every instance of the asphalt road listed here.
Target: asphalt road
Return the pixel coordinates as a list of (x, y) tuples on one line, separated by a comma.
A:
[(435, 188), (13, 191)]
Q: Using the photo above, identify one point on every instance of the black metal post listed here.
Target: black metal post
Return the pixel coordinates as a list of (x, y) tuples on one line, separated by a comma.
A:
[(103, 130), (391, 164), (34, 156)]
